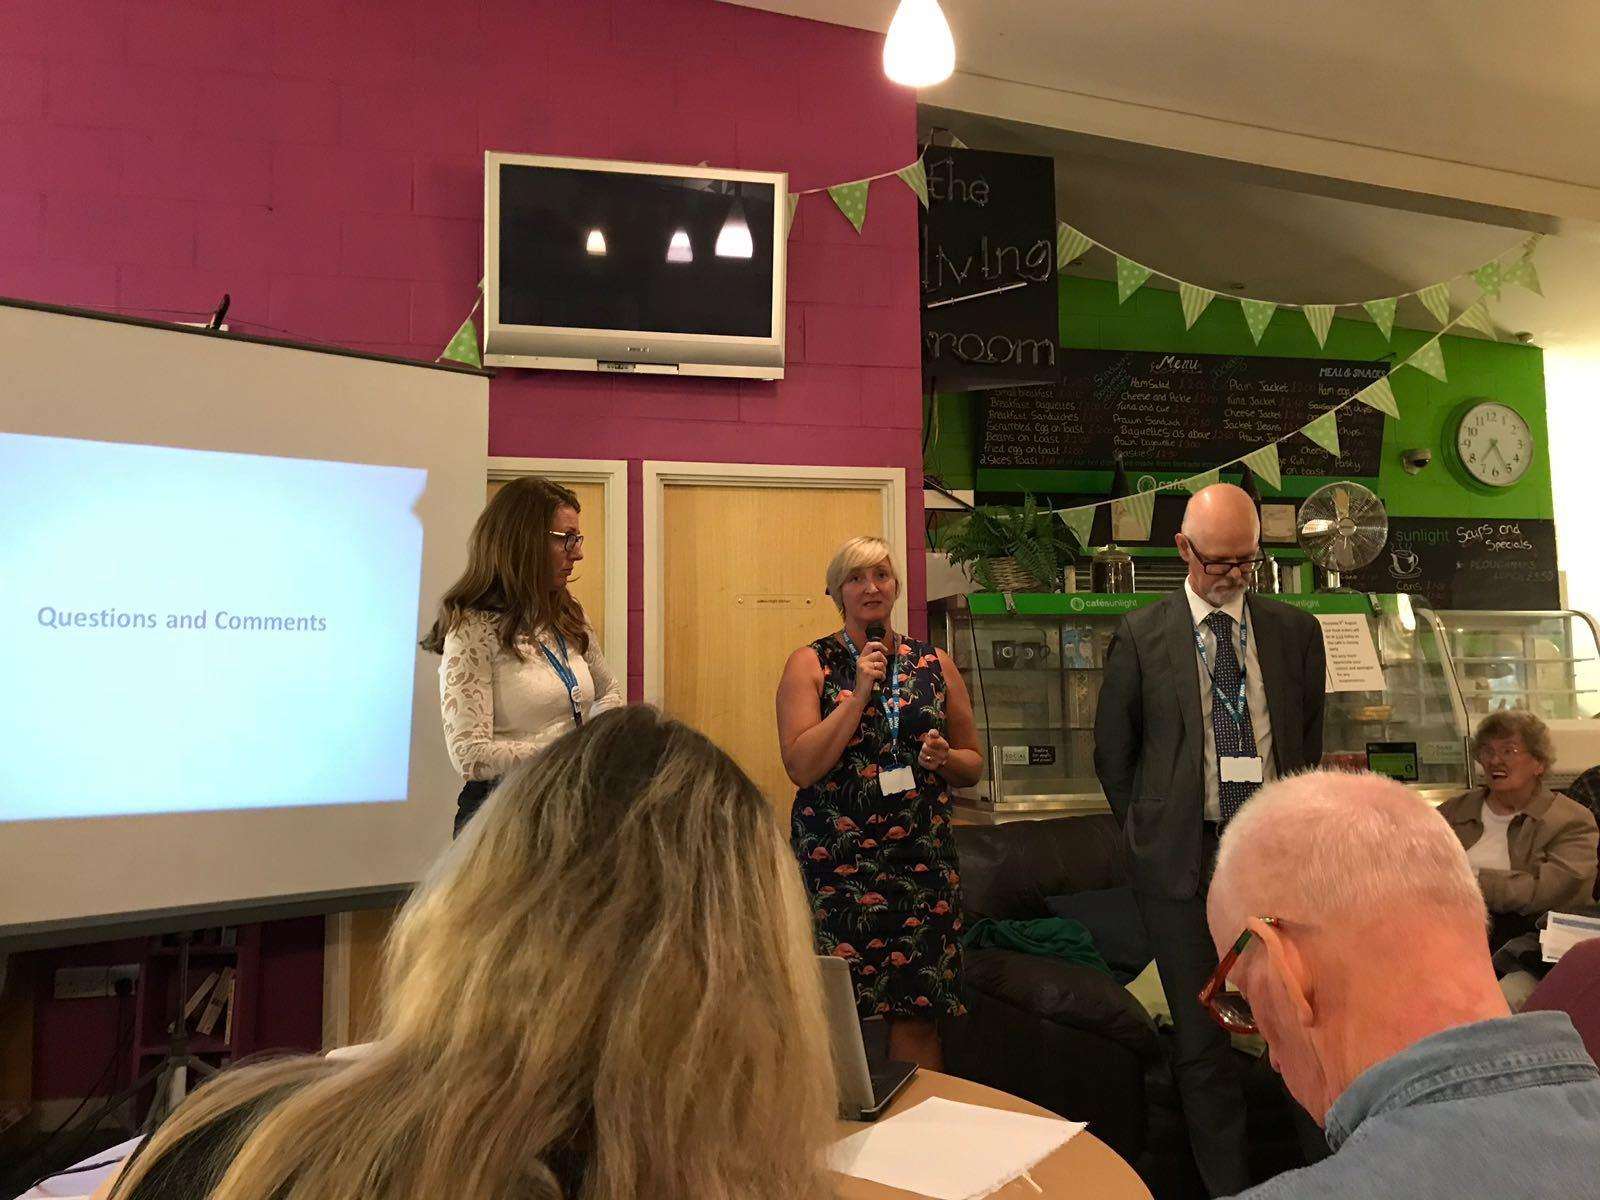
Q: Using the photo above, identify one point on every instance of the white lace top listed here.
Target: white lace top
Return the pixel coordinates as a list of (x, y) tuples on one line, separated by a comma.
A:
[(499, 711)]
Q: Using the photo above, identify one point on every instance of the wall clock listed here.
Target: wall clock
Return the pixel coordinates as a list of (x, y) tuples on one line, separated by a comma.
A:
[(1493, 443)]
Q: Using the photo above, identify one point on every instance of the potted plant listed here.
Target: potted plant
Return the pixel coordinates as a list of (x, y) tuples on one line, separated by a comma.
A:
[(1011, 549)]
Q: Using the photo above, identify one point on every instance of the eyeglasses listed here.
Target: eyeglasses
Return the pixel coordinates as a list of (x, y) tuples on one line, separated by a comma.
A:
[(1230, 1009), (1501, 753), (1222, 566), (570, 542)]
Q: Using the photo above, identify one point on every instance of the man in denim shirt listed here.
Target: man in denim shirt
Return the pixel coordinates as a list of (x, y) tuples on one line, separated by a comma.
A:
[(1346, 916)]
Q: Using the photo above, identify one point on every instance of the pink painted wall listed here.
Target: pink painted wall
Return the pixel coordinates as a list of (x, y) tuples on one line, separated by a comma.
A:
[(322, 162)]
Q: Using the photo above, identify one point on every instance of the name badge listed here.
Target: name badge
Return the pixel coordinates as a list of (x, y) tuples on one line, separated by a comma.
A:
[(1240, 770), (896, 781)]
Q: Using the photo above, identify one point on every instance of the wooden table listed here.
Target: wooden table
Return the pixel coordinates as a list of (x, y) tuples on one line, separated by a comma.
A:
[(1084, 1169)]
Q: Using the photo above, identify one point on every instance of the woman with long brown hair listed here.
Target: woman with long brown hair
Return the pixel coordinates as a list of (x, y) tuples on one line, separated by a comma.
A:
[(521, 663), (605, 990)]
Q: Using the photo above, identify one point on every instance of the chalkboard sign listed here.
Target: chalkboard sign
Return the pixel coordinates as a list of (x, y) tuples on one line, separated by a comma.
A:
[(1181, 412), (991, 304), (1466, 562)]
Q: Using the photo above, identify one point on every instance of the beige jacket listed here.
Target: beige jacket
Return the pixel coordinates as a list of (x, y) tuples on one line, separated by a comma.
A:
[(1552, 844)]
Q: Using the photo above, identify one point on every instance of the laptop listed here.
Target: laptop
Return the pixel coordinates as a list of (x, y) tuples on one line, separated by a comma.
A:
[(865, 1090)]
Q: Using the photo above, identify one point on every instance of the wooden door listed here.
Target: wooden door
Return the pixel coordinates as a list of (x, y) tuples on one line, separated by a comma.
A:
[(589, 580), (744, 579)]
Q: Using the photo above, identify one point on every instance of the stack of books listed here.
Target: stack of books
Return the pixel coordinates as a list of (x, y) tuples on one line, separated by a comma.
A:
[(213, 1002)]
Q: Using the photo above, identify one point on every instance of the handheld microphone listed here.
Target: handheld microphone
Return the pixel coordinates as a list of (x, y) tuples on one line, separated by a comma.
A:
[(876, 633)]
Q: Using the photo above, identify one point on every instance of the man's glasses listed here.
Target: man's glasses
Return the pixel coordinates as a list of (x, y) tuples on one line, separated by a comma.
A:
[(1224, 566), (570, 542), (1230, 1009)]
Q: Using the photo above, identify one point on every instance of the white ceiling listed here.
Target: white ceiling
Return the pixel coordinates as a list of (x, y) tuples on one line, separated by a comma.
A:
[(1312, 152)]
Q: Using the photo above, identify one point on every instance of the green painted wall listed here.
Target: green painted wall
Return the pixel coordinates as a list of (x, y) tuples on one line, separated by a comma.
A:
[(1151, 319)]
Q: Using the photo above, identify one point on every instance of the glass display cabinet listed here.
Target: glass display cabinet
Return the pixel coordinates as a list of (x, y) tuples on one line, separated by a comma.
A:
[(1033, 661), (1545, 662)]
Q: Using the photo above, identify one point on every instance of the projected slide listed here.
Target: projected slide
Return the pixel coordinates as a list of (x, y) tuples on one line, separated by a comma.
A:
[(187, 631)]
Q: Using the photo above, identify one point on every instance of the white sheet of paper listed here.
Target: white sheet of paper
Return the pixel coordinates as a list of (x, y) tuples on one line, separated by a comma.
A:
[(951, 1151), (896, 781), (1240, 770), (1352, 658)]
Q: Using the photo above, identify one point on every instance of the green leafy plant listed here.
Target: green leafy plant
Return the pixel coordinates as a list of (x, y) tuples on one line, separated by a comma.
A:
[(1035, 537)]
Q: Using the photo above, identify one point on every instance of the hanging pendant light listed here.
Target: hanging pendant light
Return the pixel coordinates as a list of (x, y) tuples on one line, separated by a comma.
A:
[(596, 243), (919, 51), (678, 249), (734, 241)]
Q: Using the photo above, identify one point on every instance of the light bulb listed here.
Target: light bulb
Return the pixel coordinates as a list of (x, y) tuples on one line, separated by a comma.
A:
[(919, 51), (734, 240), (679, 250), (596, 243)]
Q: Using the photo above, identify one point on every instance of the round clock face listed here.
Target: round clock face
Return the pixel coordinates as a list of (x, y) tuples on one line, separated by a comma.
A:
[(1494, 444)]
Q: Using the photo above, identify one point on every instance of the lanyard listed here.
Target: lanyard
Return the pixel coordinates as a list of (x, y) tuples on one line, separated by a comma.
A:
[(1236, 708), (562, 669), (891, 702)]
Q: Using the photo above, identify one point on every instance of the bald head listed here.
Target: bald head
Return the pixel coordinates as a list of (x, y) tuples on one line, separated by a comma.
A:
[(1339, 848), (1220, 526)]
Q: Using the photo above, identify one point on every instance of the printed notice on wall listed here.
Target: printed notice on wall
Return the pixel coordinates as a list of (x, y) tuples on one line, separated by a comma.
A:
[(1352, 658)]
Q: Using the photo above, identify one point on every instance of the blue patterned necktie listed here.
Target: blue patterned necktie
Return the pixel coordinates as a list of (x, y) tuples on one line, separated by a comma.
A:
[(1233, 738)]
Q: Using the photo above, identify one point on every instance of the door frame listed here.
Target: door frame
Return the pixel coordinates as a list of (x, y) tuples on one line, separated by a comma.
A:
[(888, 482), (612, 473)]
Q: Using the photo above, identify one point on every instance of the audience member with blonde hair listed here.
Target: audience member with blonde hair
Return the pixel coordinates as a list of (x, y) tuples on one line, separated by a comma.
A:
[(605, 990), (874, 731), (1345, 914)]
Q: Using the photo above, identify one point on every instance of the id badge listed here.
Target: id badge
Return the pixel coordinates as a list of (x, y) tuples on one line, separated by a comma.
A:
[(896, 781), (1240, 770)]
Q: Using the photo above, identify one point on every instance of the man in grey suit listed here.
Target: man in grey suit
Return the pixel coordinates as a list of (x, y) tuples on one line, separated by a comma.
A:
[(1206, 695)]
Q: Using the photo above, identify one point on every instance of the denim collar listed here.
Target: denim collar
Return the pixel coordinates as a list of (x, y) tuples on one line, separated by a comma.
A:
[(1470, 1060)]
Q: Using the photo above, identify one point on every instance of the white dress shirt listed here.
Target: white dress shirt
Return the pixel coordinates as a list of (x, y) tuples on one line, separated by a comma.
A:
[(1255, 692), (1492, 851)]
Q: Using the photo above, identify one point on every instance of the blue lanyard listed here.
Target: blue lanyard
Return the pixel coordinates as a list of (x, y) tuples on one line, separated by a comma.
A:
[(1235, 708), (891, 702), (562, 669)]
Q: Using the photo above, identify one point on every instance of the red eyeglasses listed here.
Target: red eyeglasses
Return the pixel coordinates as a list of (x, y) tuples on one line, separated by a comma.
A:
[(1230, 1009)]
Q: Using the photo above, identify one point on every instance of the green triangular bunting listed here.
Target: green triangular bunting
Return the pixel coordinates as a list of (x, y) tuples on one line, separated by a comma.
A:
[(1488, 277), (852, 201), (1131, 516), (916, 178), (1257, 315), (1477, 317), (1320, 318), (1523, 275), (1130, 277), (1379, 395), (463, 348), (1069, 244), (1324, 431), (1203, 480), (1080, 521), (1264, 462), (1430, 359), (1194, 301), (1382, 314), (794, 203), (1436, 298)]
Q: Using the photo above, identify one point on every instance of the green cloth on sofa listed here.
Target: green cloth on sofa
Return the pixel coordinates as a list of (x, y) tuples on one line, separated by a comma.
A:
[(1051, 937)]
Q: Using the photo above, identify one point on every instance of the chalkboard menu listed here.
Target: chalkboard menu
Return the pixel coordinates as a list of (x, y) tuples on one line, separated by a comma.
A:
[(1466, 562), (991, 303), (1181, 412)]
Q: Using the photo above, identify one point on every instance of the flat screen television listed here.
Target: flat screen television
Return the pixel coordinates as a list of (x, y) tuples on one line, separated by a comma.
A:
[(633, 267)]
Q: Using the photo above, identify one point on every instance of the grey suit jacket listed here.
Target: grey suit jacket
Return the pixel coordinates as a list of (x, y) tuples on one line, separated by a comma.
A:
[(1149, 740)]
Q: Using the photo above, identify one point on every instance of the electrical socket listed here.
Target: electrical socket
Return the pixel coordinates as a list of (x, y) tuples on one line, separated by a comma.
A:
[(88, 983)]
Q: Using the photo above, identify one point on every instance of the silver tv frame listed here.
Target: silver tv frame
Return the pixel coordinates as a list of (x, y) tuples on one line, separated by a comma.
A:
[(643, 352)]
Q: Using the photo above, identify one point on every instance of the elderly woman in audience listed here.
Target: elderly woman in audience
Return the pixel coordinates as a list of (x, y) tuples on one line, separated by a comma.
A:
[(1533, 850), (606, 989)]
